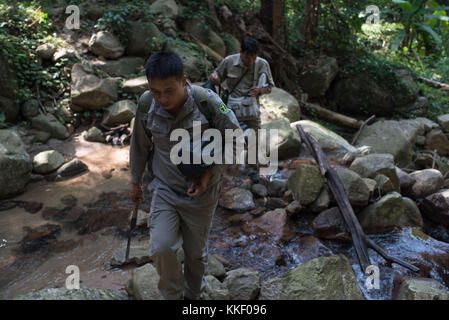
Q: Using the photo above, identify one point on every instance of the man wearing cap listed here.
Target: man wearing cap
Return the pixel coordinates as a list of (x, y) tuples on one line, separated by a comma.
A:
[(181, 209)]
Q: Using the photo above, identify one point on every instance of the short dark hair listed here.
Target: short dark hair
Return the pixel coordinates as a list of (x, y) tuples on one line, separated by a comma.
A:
[(164, 64), (250, 45)]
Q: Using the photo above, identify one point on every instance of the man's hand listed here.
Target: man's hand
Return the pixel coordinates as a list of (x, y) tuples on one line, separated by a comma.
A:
[(199, 185), (136, 193), (254, 92), (214, 78)]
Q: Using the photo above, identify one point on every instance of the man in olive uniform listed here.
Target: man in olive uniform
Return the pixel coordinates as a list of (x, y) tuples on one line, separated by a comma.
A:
[(181, 210), (248, 77)]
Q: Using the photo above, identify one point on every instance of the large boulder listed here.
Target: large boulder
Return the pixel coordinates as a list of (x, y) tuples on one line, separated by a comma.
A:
[(195, 65), (105, 44), (437, 140), (360, 91), (422, 289), (15, 164), (386, 214), (288, 142), (49, 123), (167, 8), (306, 183), (279, 103), (436, 207), (206, 35), (120, 112), (371, 165), (388, 137), (121, 67), (83, 293), (88, 91), (323, 278), (356, 189), (428, 181), (144, 38), (317, 80), (135, 85), (242, 283), (144, 283), (214, 289), (443, 121)]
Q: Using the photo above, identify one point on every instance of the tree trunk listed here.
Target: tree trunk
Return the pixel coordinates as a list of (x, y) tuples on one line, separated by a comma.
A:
[(310, 23), (272, 16)]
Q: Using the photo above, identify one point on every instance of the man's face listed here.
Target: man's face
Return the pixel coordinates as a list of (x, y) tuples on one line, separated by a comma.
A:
[(248, 59), (168, 92)]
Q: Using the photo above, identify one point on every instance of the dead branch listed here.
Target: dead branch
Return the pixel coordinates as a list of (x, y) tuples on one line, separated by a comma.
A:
[(436, 84), (331, 116), (360, 240), (357, 135)]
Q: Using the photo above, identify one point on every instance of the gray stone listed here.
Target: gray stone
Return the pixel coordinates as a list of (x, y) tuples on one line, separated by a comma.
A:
[(237, 199), (206, 35), (428, 124), (422, 289), (144, 283), (405, 180), (47, 161), (436, 140), (49, 123), (167, 8), (428, 181), (121, 67), (120, 112), (443, 121), (94, 135), (72, 168), (15, 163), (316, 81), (215, 267), (41, 136), (355, 188), (279, 99), (136, 85), (371, 184), (46, 51), (383, 184), (323, 278), (143, 39), (329, 225), (322, 202), (30, 109), (436, 207), (105, 44), (259, 190), (293, 208), (214, 289), (242, 283), (306, 183), (411, 210), (83, 293)]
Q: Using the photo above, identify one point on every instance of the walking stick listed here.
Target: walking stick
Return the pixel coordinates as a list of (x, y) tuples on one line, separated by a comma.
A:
[(133, 225)]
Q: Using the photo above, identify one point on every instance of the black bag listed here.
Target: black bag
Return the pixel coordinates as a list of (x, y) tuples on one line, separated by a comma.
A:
[(225, 96)]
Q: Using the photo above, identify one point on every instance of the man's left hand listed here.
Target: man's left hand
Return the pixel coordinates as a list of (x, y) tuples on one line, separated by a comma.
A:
[(254, 92), (199, 185)]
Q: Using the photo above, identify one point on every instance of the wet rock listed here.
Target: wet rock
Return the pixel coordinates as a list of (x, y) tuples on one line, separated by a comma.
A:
[(387, 137), (385, 215), (214, 289), (278, 98), (329, 225), (383, 184), (428, 181), (355, 188), (105, 44), (41, 136), (317, 80), (323, 278), (88, 92), (436, 140), (405, 180), (138, 254), (242, 283), (70, 294), (47, 161), (274, 224), (119, 113), (259, 190), (275, 203), (307, 248), (237, 199), (276, 186), (436, 207), (71, 168), (422, 289), (94, 135), (136, 85), (443, 121), (144, 283), (288, 142), (371, 184), (15, 163), (32, 206), (258, 211), (45, 51), (215, 267), (121, 67), (306, 183), (293, 208), (411, 210), (240, 218), (288, 196), (371, 165), (39, 237), (49, 123), (427, 124), (322, 202)]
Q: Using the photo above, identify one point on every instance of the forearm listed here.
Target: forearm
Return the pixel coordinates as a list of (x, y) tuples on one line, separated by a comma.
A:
[(139, 150)]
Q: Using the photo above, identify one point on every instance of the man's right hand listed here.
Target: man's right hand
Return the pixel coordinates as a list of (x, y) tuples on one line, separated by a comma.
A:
[(214, 78), (136, 193)]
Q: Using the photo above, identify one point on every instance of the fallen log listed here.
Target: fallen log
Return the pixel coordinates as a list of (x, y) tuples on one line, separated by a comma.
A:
[(436, 84), (331, 116), (359, 238)]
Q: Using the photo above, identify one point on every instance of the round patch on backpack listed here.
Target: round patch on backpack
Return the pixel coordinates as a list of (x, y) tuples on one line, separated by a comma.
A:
[(223, 109)]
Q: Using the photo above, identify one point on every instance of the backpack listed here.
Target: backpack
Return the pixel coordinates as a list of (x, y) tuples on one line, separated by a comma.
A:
[(200, 97)]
